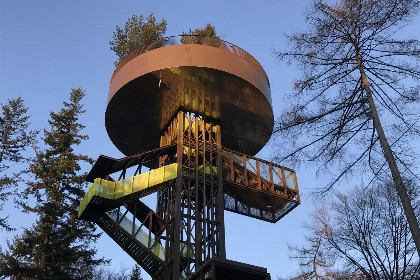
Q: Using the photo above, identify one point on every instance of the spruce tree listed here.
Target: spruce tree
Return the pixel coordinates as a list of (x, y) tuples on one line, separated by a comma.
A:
[(58, 245), (15, 137)]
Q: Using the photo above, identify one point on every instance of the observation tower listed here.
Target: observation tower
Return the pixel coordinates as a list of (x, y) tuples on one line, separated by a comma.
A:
[(189, 113)]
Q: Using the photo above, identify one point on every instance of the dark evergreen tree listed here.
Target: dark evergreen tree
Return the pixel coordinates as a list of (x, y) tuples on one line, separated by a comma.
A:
[(58, 245), (15, 137)]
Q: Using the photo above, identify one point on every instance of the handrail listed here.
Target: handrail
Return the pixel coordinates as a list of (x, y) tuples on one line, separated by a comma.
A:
[(115, 190), (143, 237), (255, 158), (273, 173), (140, 234), (190, 39)]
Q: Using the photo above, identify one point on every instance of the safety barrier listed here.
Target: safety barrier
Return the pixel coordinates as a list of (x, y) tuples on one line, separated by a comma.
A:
[(261, 174), (143, 237), (140, 235), (189, 39), (115, 190)]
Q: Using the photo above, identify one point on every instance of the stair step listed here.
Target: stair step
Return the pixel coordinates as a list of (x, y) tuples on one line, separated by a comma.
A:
[(150, 262)]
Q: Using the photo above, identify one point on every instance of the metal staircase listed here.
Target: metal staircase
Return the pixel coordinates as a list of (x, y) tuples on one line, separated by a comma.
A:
[(148, 258), (251, 187), (181, 106)]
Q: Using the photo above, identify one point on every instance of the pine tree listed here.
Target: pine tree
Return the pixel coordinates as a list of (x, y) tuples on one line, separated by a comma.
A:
[(202, 36), (15, 137), (58, 245), (136, 33)]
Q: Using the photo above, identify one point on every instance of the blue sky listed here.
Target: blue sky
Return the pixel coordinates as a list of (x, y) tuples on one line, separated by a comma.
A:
[(49, 47)]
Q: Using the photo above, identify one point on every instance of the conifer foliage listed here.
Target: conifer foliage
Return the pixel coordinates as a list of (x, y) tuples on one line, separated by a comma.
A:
[(15, 137), (136, 32), (58, 245), (203, 36)]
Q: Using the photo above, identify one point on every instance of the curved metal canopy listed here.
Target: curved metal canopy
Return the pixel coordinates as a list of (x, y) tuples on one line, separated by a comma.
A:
[(149, 89)]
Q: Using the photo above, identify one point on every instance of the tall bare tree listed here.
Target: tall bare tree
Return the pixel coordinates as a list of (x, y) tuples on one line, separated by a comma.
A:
[(312, 258), (357, 103), (123, 273), (366, 232)]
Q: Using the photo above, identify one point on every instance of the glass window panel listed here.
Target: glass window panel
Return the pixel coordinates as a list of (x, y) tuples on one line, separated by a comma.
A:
[(264, 170), (252, 165), (277, 176), (107, 189), (156, 176), (140, 182), (123, 188), (238, 159), (290, 180), (170, 172)]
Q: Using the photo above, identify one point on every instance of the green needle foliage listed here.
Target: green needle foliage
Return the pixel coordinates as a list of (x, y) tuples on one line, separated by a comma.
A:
[(202, 36), (136, 32), (58, 245), (15, 137), (141, 35)]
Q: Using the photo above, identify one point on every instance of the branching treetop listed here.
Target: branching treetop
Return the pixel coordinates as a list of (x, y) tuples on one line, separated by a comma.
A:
[(330, 103)]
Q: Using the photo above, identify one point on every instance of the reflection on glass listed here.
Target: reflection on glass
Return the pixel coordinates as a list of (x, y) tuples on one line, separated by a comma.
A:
[(192, 39)]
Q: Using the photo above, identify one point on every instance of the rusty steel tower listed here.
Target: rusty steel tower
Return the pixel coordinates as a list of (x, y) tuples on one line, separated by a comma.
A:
[(190, 114)]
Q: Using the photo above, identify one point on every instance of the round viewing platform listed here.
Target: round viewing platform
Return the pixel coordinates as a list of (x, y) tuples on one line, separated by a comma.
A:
[(207, 76)]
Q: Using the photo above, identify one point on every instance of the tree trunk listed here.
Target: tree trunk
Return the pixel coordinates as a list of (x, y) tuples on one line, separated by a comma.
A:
[(389, 157), (396, 176), (314, 260), (43, 258)]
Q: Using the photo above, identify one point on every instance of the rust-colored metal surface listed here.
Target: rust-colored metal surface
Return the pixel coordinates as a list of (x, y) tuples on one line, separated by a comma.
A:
[(194, 55), (223, 269), (188, 225), (149, 89), (105, 165), (208, 106), (191, 39), (258, 188)]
